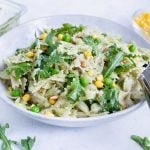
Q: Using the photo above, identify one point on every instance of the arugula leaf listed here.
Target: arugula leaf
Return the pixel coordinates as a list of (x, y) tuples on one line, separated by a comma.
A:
[(93, 42), (21, 50), (143, 142), (114, 59), (6, 145), (51, 41), (68, 58), (113, 64), (35, 44), (46, 62), (49, 57), (54, 58), (113, 51), (68, 29), (109, 100), (75, 90), (19, 69), (28, 143), (129, 64)]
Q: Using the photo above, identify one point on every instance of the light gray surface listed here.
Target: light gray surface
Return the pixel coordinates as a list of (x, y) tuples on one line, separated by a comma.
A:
[(112, 136)]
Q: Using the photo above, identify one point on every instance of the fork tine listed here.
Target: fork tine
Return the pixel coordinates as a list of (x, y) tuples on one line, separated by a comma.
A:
[(146, 86)]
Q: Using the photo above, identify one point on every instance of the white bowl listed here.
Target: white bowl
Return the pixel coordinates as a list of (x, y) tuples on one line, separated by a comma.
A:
[(23, 35)]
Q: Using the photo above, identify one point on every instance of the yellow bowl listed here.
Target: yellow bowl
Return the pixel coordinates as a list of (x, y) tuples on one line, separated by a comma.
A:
[(140, 30)]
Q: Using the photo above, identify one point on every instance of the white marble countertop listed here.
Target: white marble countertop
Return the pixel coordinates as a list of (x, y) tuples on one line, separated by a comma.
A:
[(111, 136)]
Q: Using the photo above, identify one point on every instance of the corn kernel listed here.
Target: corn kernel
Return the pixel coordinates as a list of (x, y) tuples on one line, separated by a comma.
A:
[(30, 54), (83, 63), (98, 83), (9, 88), (90, 72), (43, 36), (26, 97), (88, 54), (94, 36), (53, 100), (100, 77), (60, 37), (48, 113)]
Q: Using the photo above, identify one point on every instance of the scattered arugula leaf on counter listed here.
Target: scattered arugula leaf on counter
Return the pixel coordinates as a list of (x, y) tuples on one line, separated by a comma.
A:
[(28, 143), (19, 69), (93, 42), (6, 143), (143, 142), (68, 58)]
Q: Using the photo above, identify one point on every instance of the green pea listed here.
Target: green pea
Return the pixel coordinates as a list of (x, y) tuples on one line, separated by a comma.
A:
[(55, 71), (84, 81), (132, 48), (67, 38), (35, 109), (97, 40), (108, 81), (15, 93)]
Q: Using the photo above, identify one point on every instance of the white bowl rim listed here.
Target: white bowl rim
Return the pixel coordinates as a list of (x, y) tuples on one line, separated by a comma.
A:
[(86, 119)]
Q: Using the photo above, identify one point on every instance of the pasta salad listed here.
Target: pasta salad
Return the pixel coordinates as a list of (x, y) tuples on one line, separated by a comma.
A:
[(75, 71)]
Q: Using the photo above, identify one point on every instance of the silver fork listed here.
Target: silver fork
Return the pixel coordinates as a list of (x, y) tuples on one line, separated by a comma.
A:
[(144, 79)]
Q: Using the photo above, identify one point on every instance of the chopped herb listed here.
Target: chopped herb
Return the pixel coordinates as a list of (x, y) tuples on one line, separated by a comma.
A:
[(143, 142), (35, 44), (21, 50), (127, 64), (93, 42), (46, 62), (109, 100), (104, 34), (76, 90), (70, 77), (115, 62), (43, 73), (68, 29), (52, 42), (54, 57), (19, 69), (68, 58)]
